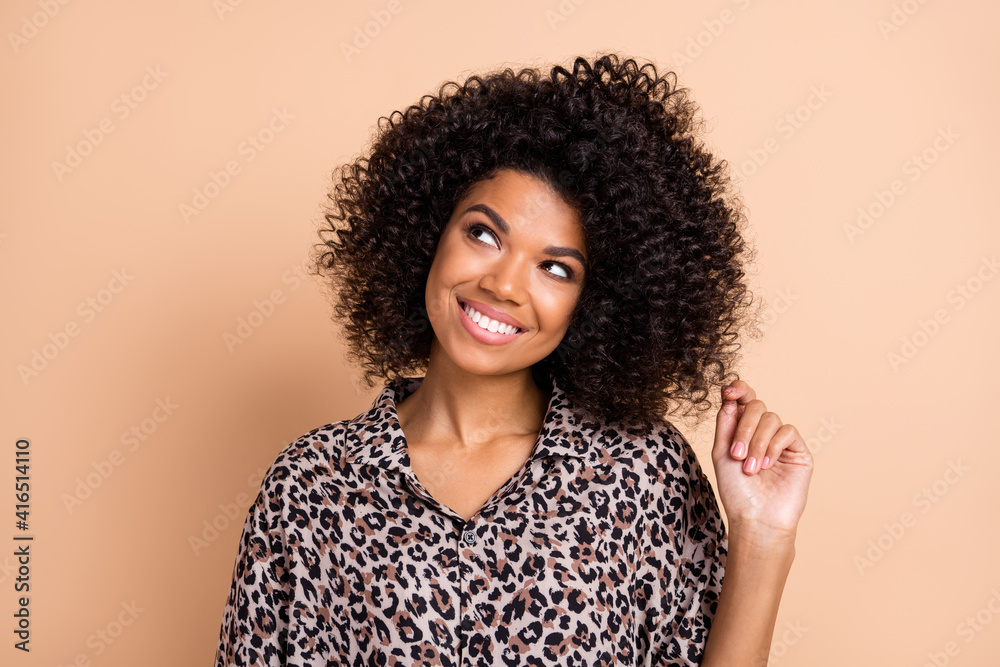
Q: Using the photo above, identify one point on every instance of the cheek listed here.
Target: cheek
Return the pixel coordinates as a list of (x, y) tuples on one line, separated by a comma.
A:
[(439, 281), (435, 296), (556, 312)]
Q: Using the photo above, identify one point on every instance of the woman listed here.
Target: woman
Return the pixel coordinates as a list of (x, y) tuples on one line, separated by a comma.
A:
[(562, 258)]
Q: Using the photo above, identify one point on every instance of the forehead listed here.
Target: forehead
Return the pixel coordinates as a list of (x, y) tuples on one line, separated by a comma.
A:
[(525, 201)]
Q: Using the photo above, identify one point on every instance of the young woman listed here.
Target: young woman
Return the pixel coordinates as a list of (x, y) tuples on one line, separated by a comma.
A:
[(562, 261)]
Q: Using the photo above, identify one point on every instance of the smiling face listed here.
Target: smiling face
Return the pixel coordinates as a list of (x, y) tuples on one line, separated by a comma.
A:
[(515, 252)]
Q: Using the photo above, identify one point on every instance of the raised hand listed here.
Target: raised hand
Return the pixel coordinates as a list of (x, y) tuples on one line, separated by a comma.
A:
[(762, 466)]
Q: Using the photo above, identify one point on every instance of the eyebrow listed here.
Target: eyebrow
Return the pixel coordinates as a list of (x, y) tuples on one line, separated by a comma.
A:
[(554, 250)]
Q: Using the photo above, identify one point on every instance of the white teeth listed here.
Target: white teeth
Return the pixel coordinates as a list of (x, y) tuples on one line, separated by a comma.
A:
[(488, 324)]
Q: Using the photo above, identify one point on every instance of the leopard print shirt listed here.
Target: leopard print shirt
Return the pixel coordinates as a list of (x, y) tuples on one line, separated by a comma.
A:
[(604, 549)]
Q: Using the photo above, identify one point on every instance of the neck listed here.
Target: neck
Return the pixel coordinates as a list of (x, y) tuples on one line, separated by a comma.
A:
[(472, 412)]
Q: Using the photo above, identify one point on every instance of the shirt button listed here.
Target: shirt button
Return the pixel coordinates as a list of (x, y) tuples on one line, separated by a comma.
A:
[(470, 538)]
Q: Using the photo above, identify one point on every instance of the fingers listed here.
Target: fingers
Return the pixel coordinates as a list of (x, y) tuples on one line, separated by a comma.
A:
[(730, 413), (786, 437), (725, 427), (748, 432), (753, 432), (739, 391), (746, 423)]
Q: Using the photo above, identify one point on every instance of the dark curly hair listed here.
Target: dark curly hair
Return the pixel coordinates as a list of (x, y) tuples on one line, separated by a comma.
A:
[(664, 298)]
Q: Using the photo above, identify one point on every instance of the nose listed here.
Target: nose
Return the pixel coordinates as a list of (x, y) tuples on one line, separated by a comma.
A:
[(506, 278)]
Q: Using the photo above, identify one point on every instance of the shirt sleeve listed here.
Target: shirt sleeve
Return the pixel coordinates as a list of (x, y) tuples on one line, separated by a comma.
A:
[(255, 620), (692, 554)]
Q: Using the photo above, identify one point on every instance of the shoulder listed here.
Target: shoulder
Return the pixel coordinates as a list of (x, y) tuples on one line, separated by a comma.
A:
[(675, 489), (306, 463), (673, 456), (662, 454), (659, 465)]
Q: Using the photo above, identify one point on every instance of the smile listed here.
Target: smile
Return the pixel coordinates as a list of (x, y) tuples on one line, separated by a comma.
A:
[(486, 329)]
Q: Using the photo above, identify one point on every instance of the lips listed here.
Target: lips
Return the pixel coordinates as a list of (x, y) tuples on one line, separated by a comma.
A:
[(491, 313), (484, 336)]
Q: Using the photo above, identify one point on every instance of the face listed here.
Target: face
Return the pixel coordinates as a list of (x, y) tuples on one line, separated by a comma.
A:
[(512, 253)]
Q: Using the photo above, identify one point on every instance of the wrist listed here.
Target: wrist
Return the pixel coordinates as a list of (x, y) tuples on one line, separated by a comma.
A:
[(755, 537)]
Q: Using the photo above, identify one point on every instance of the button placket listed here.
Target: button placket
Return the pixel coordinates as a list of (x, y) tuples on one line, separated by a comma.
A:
[(469, 533), (466, 610)]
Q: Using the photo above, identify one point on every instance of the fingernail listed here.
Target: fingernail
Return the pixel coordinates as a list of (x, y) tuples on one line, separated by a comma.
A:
[(765, 463), (750, 465), (739, 449)]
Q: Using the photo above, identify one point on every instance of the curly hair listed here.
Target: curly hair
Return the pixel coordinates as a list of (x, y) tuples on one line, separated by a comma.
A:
[(664, 301)]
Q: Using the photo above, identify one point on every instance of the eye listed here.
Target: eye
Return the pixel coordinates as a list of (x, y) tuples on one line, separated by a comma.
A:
[(474, 228), (568, 273)]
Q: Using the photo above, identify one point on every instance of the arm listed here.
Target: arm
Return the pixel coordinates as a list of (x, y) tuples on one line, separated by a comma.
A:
[(748, 605), (685, 554), (763, 470), (255, 620)]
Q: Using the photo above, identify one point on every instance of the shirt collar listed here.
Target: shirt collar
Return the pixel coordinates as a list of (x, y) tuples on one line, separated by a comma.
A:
[(376, 438)]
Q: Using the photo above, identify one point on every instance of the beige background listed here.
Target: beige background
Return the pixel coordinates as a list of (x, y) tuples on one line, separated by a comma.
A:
[(897, 553)]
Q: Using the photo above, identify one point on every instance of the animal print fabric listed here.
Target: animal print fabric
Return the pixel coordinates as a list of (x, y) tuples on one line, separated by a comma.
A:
[(604, 549)]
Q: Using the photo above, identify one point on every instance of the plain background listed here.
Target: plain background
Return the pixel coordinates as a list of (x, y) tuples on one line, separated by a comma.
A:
[(866, 138)]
